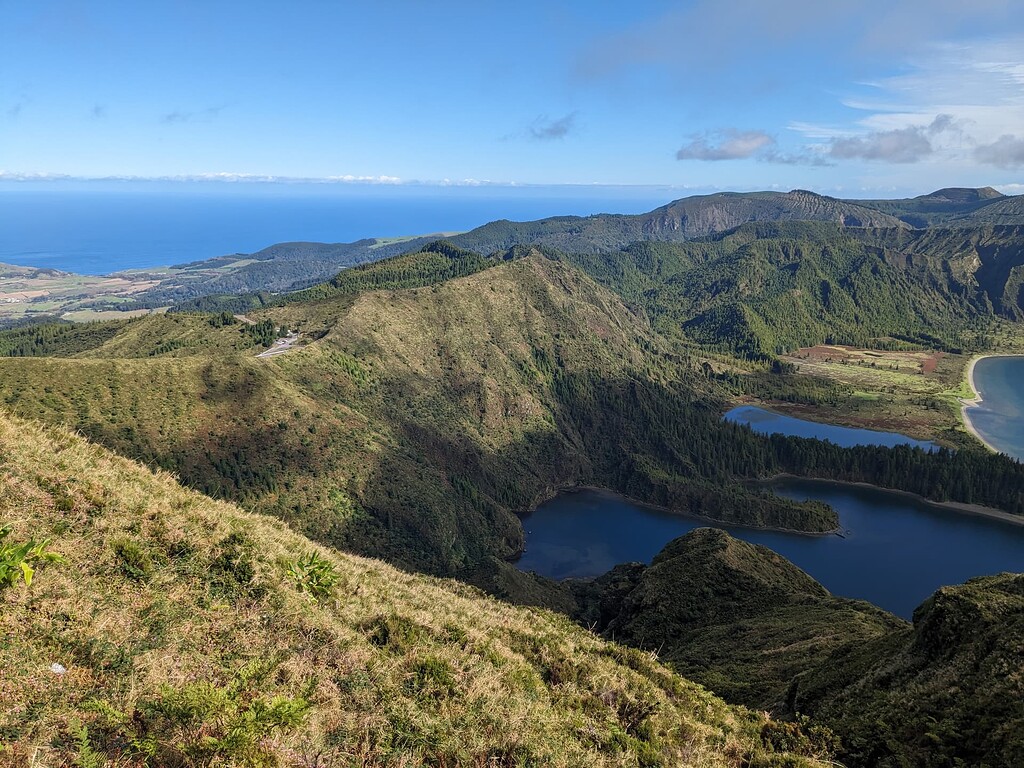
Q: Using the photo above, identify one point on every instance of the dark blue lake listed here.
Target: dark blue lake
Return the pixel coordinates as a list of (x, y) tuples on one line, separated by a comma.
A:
[(897, 550), (769, 423), (999, 418)]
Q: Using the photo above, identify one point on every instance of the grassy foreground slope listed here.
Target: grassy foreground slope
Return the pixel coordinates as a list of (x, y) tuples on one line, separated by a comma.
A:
[(183, 638)]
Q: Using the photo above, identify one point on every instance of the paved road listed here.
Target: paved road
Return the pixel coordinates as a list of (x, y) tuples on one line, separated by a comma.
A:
[(281, 346)]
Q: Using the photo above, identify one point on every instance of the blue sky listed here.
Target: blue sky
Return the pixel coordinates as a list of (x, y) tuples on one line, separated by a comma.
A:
[(862, 99)]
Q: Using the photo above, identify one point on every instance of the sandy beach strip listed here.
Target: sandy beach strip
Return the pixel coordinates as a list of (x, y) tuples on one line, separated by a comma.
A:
[(968, 403)]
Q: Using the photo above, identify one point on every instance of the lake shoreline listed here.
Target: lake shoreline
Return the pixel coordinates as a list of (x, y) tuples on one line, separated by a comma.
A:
[(842, 435), (976, 510), (558, 491), (968, 402)]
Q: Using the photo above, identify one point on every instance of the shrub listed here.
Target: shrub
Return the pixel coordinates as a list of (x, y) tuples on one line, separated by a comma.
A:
[(196, 724), (314, 576), (136, 563)]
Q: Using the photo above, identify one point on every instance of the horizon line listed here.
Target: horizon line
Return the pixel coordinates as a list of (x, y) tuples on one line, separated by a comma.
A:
[(350, 180)]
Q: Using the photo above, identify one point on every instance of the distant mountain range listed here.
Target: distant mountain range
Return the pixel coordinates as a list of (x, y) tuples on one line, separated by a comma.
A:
[(291, 266)]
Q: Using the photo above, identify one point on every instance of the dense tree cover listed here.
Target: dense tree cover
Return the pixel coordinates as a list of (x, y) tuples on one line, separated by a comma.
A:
[(764, 289), (673, 436), (436, 262), (56, 339), (263, 333), (232, 304)]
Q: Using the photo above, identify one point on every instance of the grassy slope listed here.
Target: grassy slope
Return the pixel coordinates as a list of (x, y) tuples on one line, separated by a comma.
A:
[(166, 593)]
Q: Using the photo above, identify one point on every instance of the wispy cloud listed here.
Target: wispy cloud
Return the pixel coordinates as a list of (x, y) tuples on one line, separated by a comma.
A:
[(1005, 152), (728, 144), (198, 116), (14, 111), (546, 129), (709, 30), (957, 103)]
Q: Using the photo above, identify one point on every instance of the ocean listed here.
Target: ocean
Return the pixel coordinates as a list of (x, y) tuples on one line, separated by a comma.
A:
[(107, 228)]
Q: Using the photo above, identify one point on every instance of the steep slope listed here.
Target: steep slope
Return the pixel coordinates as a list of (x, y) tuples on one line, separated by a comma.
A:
[(183, 631), (1007, 211), (949, 691), (735, 616), (755, 629), (762, 289), (680, 220), (983, 264)]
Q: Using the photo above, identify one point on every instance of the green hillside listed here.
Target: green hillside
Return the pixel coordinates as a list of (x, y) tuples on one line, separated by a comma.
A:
[(737, 617), (763, 289), (684, 219), (413, 424), (939, 207), (176, 630), (946, 691)]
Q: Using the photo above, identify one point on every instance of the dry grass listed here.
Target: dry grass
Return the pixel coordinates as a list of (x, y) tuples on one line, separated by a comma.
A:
[(165, 587)]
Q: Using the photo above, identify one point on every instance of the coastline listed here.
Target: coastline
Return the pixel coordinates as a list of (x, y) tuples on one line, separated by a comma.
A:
[(967, 403), (955, 506)]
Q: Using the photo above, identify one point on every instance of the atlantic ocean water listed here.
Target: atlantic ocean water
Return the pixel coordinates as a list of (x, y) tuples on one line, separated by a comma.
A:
[(101, 230)]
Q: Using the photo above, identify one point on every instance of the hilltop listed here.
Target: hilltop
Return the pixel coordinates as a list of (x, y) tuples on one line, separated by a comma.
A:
[(684, 219), (186, 631), (756, 629), (735, 616), (938, 207)]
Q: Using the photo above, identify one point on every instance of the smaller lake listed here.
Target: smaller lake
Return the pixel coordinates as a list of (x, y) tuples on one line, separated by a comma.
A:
[(999, 418), (768, 423), (898, 550)]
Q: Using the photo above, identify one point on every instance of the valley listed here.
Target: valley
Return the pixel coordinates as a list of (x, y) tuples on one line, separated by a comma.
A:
[(411, 409)]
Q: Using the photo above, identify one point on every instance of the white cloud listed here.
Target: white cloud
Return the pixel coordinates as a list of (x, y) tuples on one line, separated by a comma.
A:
[(1005, 152), (728, 144)]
